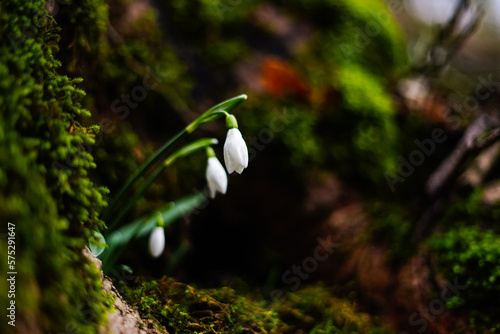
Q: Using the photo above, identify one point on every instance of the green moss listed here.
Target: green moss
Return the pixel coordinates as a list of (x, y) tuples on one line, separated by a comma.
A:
[(471, 256), (467, 249), (313, 310), (362, 136), (181, 308), (45, 189), (365, 127), (355, 32)]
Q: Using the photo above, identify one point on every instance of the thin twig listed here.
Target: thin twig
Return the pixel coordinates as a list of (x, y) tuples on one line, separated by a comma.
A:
[(450, 38), (481, 134)]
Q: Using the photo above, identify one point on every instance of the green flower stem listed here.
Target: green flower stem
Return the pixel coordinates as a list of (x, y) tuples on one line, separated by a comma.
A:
[(145, 186), (211, 114), (231, 122), (142, 169), (206, 118), (109, 257), (159, 219), (118, 240), (219, 110), (190, 148), (182, 152), (210, 152)]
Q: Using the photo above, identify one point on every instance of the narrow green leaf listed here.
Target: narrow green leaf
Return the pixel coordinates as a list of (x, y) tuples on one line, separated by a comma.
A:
[(229, 104), (216, 112), (190, 148), (143, 226)]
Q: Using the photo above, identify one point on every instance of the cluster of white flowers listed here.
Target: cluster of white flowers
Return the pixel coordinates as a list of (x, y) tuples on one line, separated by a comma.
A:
[(235, 158)]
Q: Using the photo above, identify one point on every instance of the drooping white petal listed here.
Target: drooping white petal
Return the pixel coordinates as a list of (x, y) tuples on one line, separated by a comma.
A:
[(235, 152), (157, 242), (216, 177)]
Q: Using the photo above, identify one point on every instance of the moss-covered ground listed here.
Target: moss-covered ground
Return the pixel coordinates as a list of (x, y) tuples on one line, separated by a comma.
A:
[(182, 308)]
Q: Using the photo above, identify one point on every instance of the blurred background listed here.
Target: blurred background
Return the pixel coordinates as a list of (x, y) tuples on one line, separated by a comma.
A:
[(341, 96)]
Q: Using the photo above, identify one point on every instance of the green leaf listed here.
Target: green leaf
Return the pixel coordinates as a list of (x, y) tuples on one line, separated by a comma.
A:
[(190, 148), (143, 226), (229, 104), (182, 152), (219, 110)]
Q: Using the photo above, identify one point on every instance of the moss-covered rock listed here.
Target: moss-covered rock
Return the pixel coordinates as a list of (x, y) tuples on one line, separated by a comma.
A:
[(44, 185), (181, 308), (470, 257), (467, 250)]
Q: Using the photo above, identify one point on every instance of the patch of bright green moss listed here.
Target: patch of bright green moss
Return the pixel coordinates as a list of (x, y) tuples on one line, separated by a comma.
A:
[(471, 257), (468, 250)]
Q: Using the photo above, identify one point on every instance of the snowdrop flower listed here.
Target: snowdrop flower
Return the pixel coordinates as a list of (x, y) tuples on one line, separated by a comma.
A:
[(157, 242), (215, 174), (235, 149)]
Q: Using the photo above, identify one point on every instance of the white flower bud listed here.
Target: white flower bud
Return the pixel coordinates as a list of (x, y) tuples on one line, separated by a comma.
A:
[(216, 177), (235, 151), (157, 242)]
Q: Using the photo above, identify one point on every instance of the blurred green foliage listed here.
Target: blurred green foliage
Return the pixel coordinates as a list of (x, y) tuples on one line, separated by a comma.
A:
[(469, 250), (392, 226), (470, 209), (348, 124), (355, 55), (471, 256), (367, 34)]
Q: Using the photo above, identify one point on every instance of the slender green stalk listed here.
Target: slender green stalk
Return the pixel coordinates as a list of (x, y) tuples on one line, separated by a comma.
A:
[(110, 257), (182, 152), (142, 169), (211, 114), (221, 109), (145, 186)]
